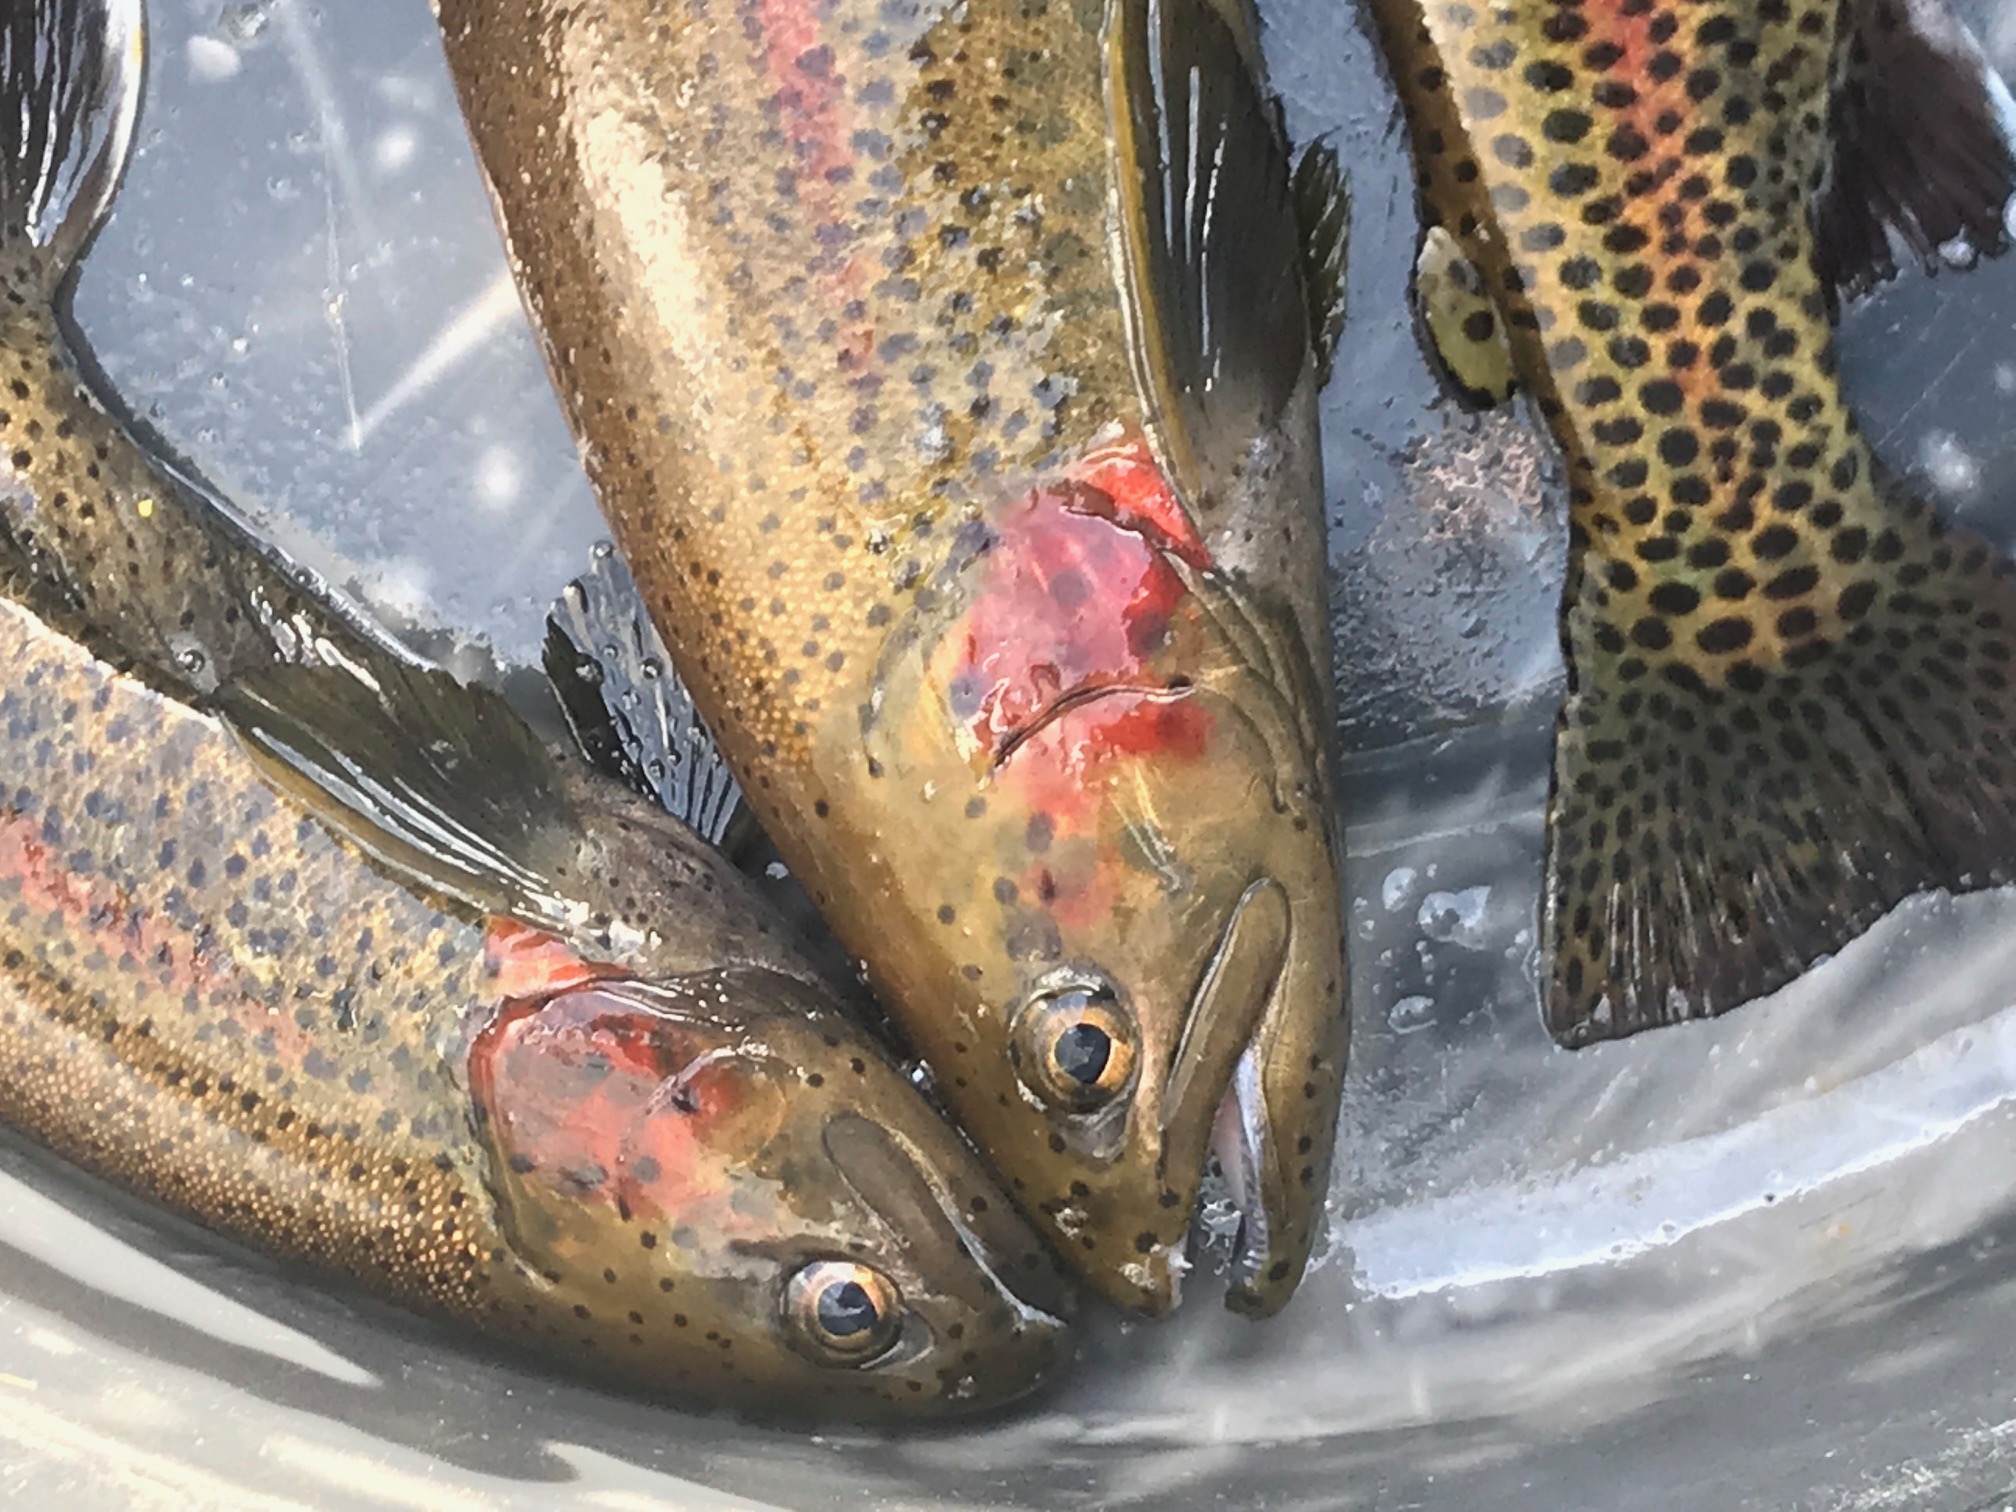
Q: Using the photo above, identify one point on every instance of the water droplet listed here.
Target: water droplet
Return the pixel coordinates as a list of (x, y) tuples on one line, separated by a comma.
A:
[(1455, 918), (1412, 1014), (245, 23), (1953, 469), (211, 60), (1398, 886)]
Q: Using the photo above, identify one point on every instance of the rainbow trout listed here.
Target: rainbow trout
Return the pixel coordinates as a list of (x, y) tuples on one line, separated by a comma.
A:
[(947, 376), (707, 1184), (1789, 684), (499, 1042)]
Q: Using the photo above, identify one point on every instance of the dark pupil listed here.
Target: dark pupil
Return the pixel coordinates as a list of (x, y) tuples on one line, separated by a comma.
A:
[(846, 1309), (1082, 1053)]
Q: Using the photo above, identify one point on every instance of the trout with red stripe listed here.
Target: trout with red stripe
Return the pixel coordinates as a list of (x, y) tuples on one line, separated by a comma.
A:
[(1790, 699), (948, 377), (496, 1040), (708, 1184)]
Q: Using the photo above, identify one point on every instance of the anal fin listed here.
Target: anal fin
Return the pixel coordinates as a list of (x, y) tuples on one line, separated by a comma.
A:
[(1709, 840), (1460, 326), (630, 714), (1919, 133)]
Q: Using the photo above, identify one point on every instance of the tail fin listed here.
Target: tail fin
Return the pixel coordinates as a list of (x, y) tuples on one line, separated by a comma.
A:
[(1920, 130), (1708, 842), (70, 81)]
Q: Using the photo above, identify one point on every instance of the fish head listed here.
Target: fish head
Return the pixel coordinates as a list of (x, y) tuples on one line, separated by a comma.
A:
[(738, 1192), (1118, 894)]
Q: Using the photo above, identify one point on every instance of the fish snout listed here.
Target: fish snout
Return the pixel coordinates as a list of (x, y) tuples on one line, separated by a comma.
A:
[(1255, 1080), (1275, 1127), (990, 1307)]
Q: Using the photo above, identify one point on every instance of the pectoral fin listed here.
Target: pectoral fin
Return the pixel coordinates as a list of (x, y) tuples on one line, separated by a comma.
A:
[(1459, 324), (440, 780), (1323, 211), (1218, 315)]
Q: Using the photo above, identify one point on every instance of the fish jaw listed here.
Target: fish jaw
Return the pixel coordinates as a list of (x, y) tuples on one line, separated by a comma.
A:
[(1272, 1125)]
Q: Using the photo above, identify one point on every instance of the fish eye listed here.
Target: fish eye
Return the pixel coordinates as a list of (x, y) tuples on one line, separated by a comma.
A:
[(840, 1313), (1075, 1046)]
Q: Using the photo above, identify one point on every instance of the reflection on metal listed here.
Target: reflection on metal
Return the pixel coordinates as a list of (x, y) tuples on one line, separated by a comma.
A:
[(495, 309), (35, 1225), (365, 1474)]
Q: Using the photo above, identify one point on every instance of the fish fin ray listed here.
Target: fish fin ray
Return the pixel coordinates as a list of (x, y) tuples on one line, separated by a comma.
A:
[(1707, 844), (627, 708), (71, 73), (1460, 326), (439, 779), (1323, 212), (1922, 135), (1219, 322)]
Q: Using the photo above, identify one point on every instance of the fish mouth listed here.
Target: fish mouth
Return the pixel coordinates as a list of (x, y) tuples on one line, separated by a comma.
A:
[(1239, 1140), (1215, 1103)]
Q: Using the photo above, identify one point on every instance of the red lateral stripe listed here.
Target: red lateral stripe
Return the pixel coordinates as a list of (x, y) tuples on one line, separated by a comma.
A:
[(96, 913)]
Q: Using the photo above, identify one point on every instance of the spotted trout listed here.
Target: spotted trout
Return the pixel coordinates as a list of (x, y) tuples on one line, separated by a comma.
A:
[(496, 1041), (947, 376), (1789, 694)]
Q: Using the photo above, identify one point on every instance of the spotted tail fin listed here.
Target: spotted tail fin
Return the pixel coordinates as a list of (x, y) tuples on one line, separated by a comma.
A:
[(70, 80), (1920, 140), (1718, 823)]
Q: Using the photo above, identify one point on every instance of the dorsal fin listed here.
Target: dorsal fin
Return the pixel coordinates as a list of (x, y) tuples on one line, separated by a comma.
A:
[(70, 82), (630, 713)]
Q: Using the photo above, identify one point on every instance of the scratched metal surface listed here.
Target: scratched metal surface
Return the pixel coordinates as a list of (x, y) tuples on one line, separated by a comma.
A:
[(1758, 1264)]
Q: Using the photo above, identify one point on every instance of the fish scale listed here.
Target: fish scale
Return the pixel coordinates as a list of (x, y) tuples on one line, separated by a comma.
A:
[(153, 906), (1788, 700)]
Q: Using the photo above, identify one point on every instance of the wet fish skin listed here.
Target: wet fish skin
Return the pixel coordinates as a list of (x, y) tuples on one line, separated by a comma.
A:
[(1788, 699), (224, 991), (210, 998), (970, 468), (111, 529)]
